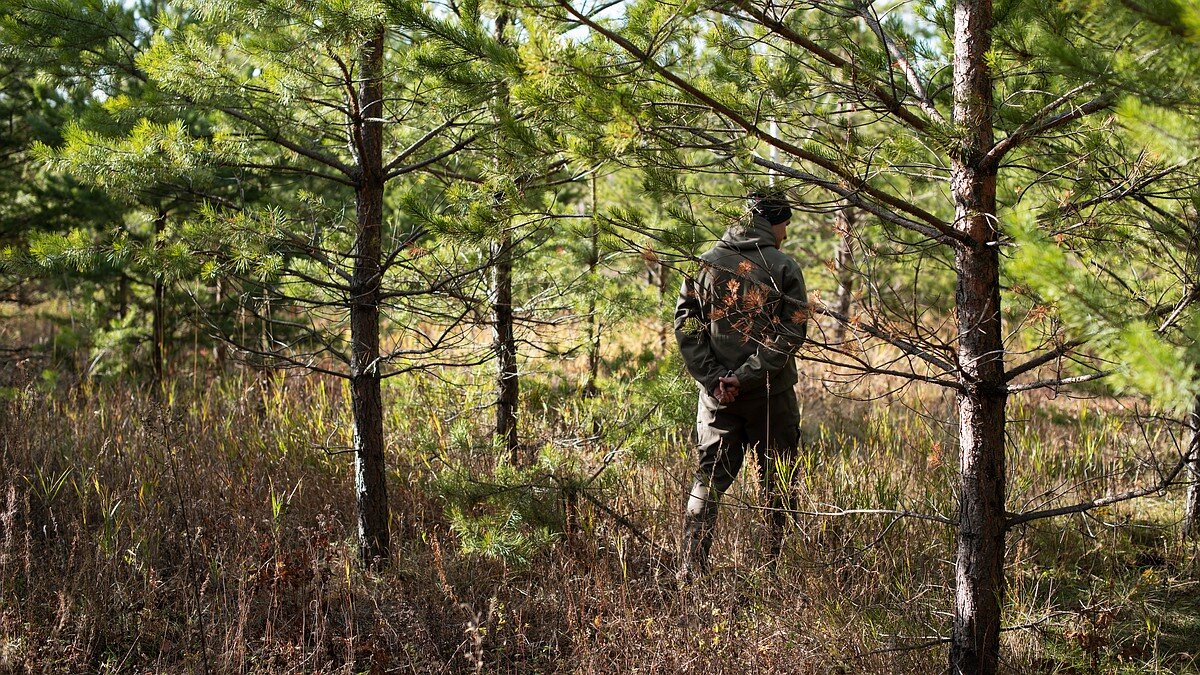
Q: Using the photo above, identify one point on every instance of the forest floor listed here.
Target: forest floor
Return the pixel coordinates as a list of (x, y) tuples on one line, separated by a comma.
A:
[(208, 527)]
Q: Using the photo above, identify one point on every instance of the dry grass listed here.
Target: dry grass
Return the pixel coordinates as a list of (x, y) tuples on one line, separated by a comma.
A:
[(211, 530)]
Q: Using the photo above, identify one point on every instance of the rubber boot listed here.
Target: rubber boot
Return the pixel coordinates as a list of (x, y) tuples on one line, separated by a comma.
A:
[(699, 522)]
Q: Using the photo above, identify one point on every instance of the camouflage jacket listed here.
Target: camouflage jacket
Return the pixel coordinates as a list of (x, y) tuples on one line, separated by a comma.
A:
[(743, 312)]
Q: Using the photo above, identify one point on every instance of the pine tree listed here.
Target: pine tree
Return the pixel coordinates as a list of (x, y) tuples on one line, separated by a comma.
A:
[(326, 97), (970, 98), (1126, 288), (101, 239), (521, 170)]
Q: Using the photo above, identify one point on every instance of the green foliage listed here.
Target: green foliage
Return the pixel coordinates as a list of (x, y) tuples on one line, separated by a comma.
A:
[(510, 514), (200, 156), (151, 154), (1151, 362)]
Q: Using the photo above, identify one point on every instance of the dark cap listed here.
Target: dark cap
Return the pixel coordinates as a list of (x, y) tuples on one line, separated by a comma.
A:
[(773, 208)]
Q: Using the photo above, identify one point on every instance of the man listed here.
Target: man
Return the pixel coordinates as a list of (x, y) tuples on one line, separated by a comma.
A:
[(739, 322)]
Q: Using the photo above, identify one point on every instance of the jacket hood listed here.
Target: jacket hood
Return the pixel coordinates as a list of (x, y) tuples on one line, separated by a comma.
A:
[(755, 234)]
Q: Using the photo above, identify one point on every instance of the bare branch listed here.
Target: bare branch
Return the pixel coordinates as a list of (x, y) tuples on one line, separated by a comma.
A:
[(1061, 350), (881, 334), (287, 168), (276, 136), (407, 152), (855, 197), (901, 60), (1165, 482), (400, 170), (1039, 125), (1058, 382)]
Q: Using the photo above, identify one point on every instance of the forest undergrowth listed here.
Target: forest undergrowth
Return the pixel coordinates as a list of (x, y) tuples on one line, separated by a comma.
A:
[(207, 527)]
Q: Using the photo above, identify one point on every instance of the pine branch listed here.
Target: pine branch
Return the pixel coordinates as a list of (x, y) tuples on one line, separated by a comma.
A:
[(1042, 359), (855, 197), (754, 130), (1116, 193), (890, 102), (277, 137), (1039, 124), (1165, 482), (866, 11)]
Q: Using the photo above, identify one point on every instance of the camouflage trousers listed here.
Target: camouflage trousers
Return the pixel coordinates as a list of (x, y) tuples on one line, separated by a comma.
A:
[(767, 426)]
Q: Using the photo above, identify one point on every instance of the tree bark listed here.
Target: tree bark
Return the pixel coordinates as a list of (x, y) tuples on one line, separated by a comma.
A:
[(369, 463), (843, 259), (1191, 508), (219, 351), (665, 329), (979, 563), (593, 261), (505, 344), (504, 337), (122, 296), (158, 325), (843, 262)]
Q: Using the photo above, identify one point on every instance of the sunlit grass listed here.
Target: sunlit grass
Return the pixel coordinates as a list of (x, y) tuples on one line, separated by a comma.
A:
[(150, 534)]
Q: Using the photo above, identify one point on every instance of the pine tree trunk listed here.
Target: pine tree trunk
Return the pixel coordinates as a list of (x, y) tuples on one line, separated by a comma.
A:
[(505, 344), (590, 389), (504, 336), (369, 464), (122, 297), (843, 264), (979, 564), (1191, 508), (593, 350), (219, 351), (158, 326), (666, 332), (843, 259)]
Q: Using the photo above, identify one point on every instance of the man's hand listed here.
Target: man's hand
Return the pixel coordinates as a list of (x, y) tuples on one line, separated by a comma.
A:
[(727, 391)]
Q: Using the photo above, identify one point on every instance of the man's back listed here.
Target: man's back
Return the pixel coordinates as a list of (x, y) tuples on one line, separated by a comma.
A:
[(744, 311)]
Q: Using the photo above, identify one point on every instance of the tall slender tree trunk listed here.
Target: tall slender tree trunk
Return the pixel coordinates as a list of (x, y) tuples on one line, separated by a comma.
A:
[(505, 343), (158, 321), (122, 297), (369, 464), (666, 333), (979, 564), (843, 261), (593, 261), (219, 351), (508, 384), (1191, 509)]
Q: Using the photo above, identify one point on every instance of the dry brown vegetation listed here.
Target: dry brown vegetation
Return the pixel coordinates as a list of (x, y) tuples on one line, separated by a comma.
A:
[(208, 530)]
